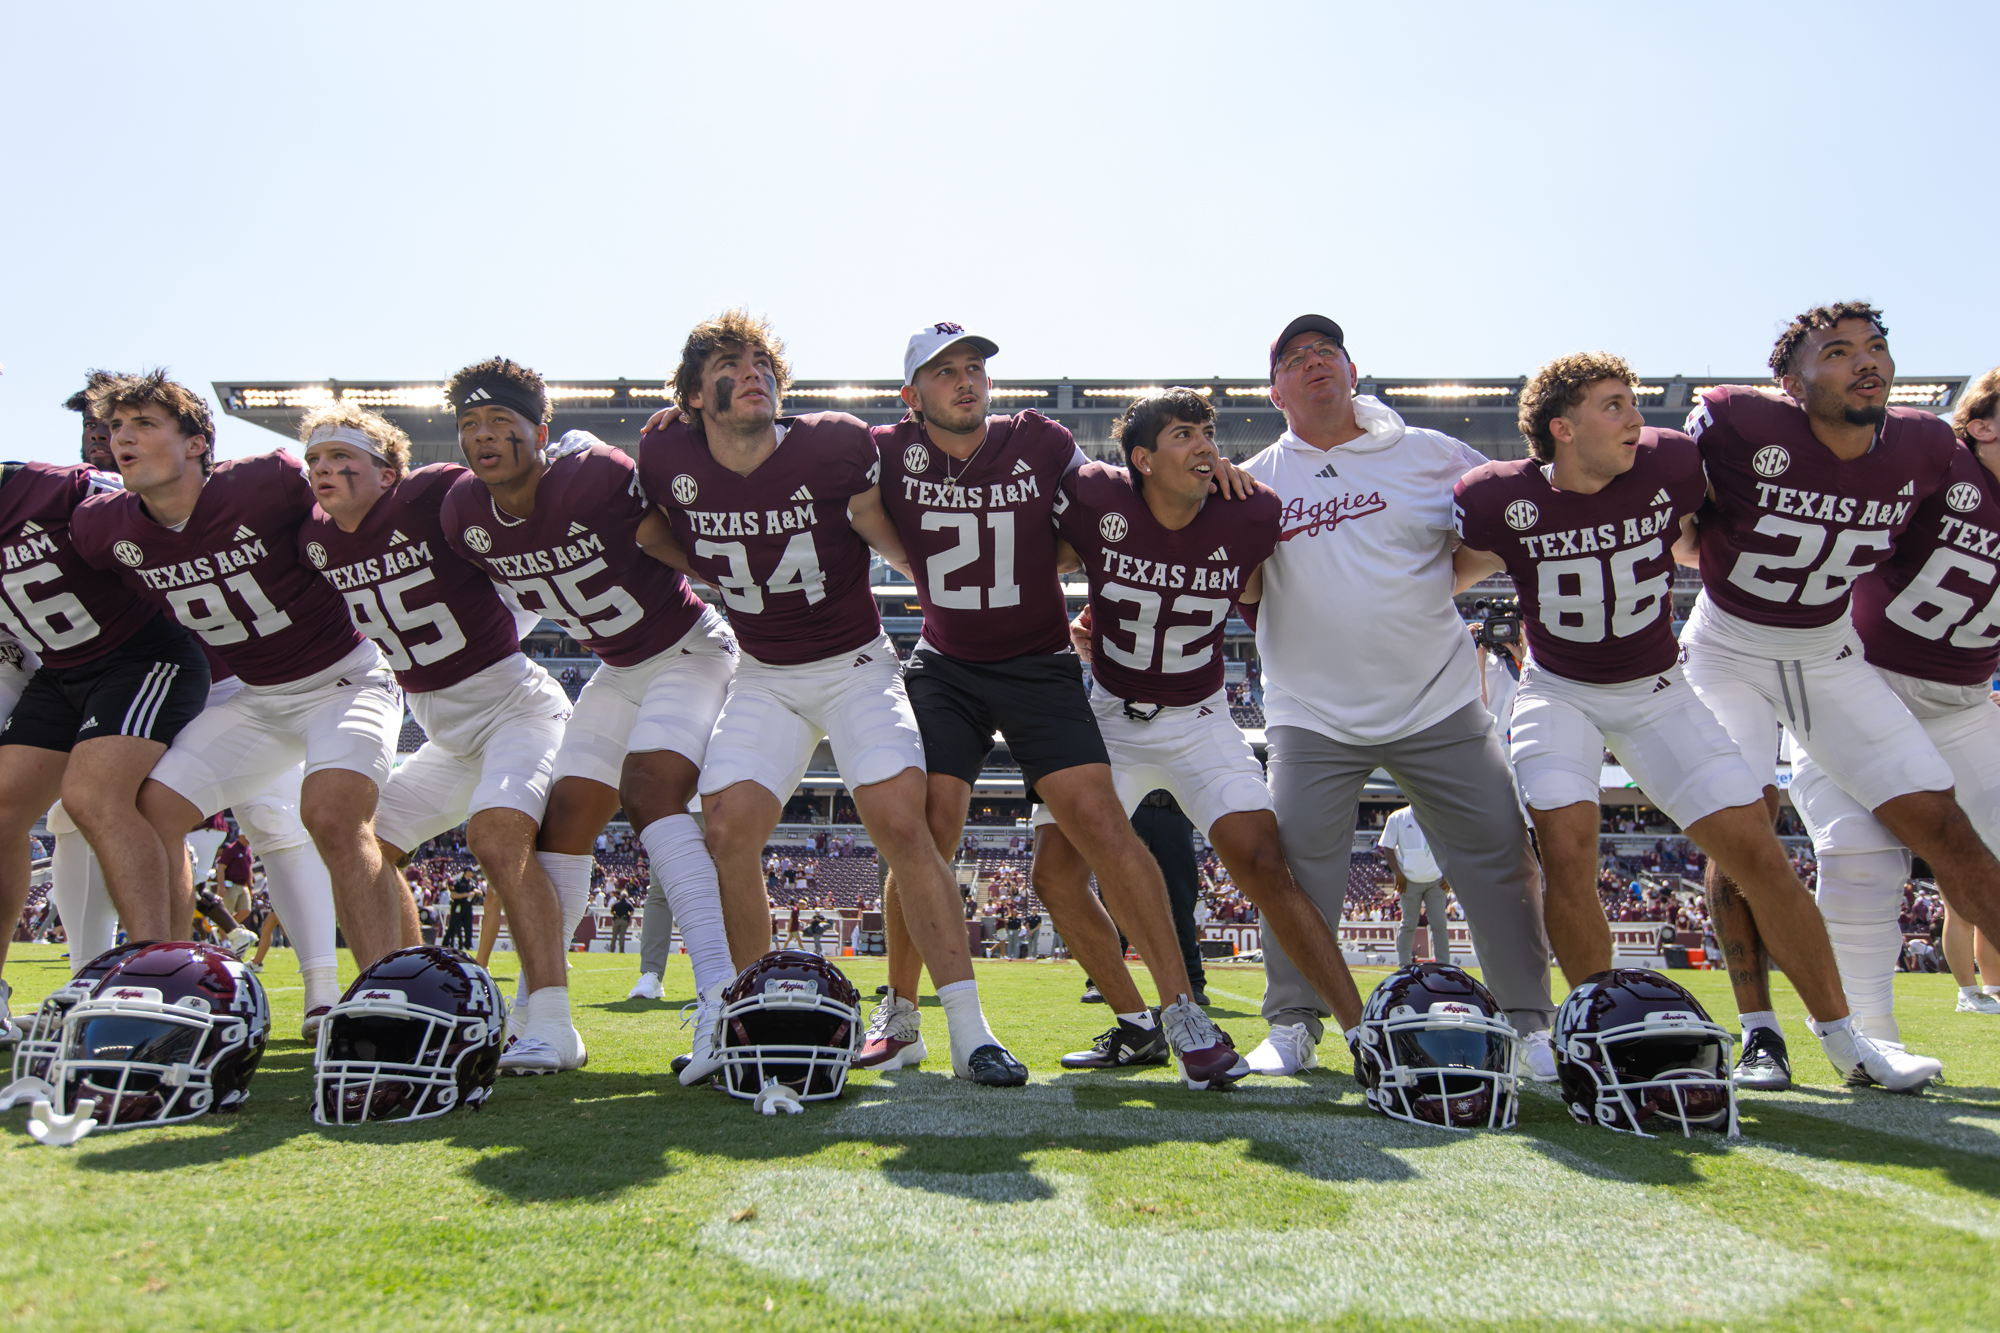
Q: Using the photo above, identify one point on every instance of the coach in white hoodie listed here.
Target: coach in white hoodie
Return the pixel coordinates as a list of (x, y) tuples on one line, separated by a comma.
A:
[(1368, 665)]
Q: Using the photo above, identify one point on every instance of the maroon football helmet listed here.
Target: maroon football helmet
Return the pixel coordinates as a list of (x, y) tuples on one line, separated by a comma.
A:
[(1434, 1048), (172, 1032), (41, 1040), (1631, 1045), (793, 1018), (416, 1035)]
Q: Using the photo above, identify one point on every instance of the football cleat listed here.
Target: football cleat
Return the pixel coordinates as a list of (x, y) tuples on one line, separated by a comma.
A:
[(647, 987), (9, 1034), (242, 941), (576, 1056), (1200, 997), (706, 1057), (1977, 1002), (309, 1026), (1203, 1052), (1538, 1057), (1126, 1044), (992, 1066), (1765, 1065), (1288, 1049), (1864, 1062), (678, 1063), (1090, 994), (894, 1039), (530, 1055)]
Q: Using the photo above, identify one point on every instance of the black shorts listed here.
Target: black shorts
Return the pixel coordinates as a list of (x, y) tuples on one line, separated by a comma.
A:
[(1037, 702), (149, 686)]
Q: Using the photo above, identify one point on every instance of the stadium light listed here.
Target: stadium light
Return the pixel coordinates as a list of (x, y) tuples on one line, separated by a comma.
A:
[(1144, 392), (1449, 391)]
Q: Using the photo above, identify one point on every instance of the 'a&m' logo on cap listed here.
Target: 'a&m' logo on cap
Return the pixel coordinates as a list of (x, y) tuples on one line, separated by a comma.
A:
[(317, 554), (1113, 527), (1963, 497), (479, 539), (128, 553), (1771, 460), (1522, 515), (685, 490), (916, 458)]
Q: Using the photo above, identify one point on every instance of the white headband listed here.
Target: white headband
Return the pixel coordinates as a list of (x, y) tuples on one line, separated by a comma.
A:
[(347, 435)]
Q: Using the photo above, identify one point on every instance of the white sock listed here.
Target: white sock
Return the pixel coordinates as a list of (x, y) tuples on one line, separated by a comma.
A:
[(77, 886), (571, 875), (548, 1015), (1970, 992), (1992, 990), (1760, 1018), (1836, 1025), (302, 896), (964, 1020), (686, 875), (322, 983), (1142, 1019)]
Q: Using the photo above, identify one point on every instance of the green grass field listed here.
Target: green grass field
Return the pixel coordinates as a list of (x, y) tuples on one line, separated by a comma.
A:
[(614, 1199)]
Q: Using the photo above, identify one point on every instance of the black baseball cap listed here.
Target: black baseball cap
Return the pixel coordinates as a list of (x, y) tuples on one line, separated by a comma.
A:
[(1306, 324)]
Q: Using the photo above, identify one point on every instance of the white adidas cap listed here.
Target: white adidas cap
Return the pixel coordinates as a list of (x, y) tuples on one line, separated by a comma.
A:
[(926, 343)]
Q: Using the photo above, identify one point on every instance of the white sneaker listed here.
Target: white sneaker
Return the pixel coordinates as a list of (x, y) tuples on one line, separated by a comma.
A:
[(530, 1055), (647, 987), (256, 968), (576, 1057), (242, 941), (1538, 1057), (1977, 1002), (8, 1033), (1863, 1061), (1289, 1049), (706, 1057)]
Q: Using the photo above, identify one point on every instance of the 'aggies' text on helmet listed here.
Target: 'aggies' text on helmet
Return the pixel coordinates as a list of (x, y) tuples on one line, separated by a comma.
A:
[(793, 1018), (417, 1034), (1434, 1048), (1630, 1045)]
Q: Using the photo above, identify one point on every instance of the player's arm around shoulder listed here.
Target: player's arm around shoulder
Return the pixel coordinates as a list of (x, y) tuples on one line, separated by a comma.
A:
[(655, 536), (1470, 560), (870, 520)]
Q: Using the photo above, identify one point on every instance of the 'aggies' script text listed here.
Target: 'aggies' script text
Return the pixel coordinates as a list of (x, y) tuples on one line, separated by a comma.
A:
[(1310, 519)]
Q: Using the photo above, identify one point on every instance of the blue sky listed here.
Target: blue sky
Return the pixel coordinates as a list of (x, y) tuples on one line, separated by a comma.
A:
[(376, 191)]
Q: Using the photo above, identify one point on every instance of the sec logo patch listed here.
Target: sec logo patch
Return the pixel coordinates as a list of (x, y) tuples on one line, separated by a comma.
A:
[(317, 554), (128, 553), (916, 458), (1963, 497), (685, 490), (1770, 460), (479, 539), (1113, 527), (1522, 515)]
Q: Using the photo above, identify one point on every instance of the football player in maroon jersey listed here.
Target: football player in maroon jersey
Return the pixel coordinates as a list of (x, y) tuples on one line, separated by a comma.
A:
[(565, 528), (96, 447), (1809, 488), (972, 498), (1166, 565), (1586, 527), (779, 514), (492, 719), (1929, 620), (216, 545)]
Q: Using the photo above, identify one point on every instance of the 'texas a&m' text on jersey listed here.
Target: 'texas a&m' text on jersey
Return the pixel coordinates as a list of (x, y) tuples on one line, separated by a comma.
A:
[(576, 559), (1594, 572), (233, 574), (1792, 525), (1158, 596), (978, 534), (1932, 610), (436, 618), (792, 571), (51, 599)]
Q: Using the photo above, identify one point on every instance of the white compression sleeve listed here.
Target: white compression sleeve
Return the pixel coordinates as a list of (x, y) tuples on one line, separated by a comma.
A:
[(570, 873), (687, 875), (1860, 895), (77, 886), (302, 896)]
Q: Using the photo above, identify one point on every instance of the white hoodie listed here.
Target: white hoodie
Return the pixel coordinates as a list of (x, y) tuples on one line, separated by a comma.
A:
[(1357, 630)]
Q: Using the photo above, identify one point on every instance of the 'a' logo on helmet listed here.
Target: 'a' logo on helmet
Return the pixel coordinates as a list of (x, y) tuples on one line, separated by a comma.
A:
[(947, 328)]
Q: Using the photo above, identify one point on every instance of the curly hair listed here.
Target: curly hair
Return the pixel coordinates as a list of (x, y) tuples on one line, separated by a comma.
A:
[(734, 327), (1557, 387), (189, 409), (525, 383), (1786, 350), (1976, 402), (387, 436), (1140, 425), (80, 400)]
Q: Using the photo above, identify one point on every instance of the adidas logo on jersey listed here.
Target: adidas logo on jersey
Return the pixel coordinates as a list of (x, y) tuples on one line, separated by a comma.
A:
[(1020, 466), (1846, 651), (397, 538), (1326, 471), (1908, 489), (30, 527), (1219, 553), (864, 659), (88, 722), (1205, 711), (243, 533), (577, 530), (1663, 684), (803, 494), (1662, 497)]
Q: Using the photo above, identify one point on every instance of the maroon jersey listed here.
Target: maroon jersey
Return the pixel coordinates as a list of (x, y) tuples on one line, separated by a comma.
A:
[(1932, 610), (1792, 526), (51, 599), (233, 573), (436, 618), (576, 559), (1158, 598), (978, 534), (777, 544), (234, 860), (1594, 572)]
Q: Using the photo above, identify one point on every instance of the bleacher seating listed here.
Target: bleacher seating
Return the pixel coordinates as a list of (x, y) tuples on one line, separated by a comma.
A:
[(1246, 715), (411, 738)]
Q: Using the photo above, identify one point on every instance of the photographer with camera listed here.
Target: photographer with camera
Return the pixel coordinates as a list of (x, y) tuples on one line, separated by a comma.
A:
[(1497, 633)]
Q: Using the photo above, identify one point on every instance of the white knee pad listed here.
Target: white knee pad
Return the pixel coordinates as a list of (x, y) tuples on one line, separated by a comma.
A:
[(272, 825), (1861, 896)]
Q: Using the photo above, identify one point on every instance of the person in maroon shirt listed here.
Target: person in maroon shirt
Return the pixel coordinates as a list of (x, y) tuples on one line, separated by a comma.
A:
[(492, 719), (1586, 527), (779, 514), (1809, 488), (565, 529), (972, 498), (216, 545), (1166, 564), (1929, 620)]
